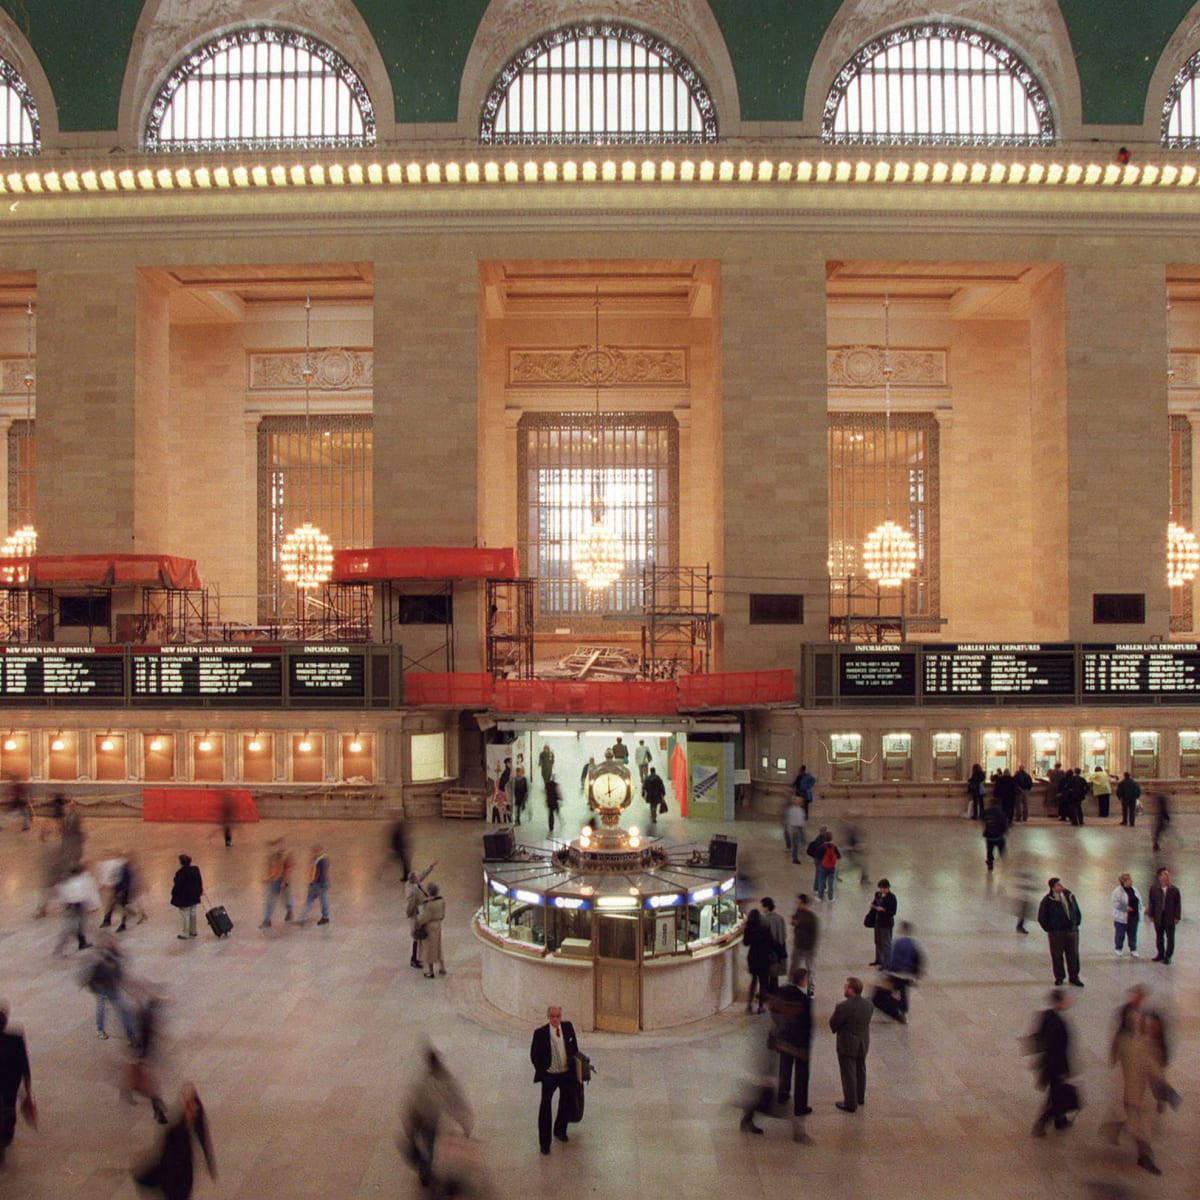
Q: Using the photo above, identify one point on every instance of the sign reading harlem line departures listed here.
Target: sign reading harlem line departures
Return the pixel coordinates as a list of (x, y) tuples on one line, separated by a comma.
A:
[(1153, 669), (997, 669)]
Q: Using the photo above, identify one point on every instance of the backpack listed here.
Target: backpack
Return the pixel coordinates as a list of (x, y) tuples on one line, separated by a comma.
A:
[(829, 859)]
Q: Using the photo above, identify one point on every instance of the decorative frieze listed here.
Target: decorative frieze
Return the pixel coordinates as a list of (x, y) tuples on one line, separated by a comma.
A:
[(862, 367), (1183, 370), (12, 376), (334, 370), (594, 366)]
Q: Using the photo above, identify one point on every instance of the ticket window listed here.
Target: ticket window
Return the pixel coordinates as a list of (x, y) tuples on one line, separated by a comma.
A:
[(308, 758), (110, 757), (845, 751), (62, 761), (1047, 750), (896, 757), (14, 756), (358, 758), (1094, 750), (258, 758), (997, 752), (1189, 754), (947, 756), (158, 757), (1143, 754), (208, 757)]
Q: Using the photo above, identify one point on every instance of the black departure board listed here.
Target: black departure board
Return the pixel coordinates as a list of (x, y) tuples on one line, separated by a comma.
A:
[(1153, 669), (331, 672), (39, 673), (207, 672), (866, 671), (987, 670)]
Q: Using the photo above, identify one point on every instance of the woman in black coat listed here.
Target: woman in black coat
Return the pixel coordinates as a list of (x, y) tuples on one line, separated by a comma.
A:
[(760, 950), (171, 1172), (186, 891), (976, 785)]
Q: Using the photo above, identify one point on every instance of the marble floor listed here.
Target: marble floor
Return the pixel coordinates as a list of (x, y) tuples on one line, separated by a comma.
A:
[(301, 1040)]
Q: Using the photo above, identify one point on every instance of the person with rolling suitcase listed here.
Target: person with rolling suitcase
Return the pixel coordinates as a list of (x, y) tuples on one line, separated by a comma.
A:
[(186, 891), (219, 921)]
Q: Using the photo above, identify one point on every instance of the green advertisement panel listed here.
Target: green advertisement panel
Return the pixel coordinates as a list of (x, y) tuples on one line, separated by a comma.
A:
[(710, 780)]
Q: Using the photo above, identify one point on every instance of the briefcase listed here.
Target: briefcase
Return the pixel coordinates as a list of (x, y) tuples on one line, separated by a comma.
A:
[(218, 921)]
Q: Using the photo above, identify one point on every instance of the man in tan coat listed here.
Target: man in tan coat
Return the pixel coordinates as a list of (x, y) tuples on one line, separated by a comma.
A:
[(430, 918)]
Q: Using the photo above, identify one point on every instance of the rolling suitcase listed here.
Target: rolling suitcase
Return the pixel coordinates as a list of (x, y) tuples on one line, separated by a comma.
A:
[(218, 921)]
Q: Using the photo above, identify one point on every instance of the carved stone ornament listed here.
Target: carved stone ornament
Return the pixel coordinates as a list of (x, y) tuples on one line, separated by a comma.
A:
[(1184, 370), (12, 376), (335, 370), (592, 366), (862, 367)]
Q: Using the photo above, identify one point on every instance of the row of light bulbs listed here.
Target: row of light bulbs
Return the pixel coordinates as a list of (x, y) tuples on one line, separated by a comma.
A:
[(205, 745)]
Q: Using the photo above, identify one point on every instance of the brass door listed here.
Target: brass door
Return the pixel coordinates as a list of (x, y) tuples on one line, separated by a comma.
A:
[(618, 977)]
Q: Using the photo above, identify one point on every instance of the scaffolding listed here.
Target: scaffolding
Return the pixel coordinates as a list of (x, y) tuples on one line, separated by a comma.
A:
[(26, 614), (171, 615), (395, 615), (509, 629), (862, 611), (677, 621)]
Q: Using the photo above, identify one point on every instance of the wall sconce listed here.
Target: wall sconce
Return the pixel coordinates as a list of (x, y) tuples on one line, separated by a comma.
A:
[(156, 744), (10, 743), (254, 745), (58, 743), (355, 745), (107, 745), (204, 745), (304, 746)]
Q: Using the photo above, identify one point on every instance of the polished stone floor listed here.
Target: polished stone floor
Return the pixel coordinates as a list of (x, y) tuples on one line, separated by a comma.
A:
[(301, 1040)]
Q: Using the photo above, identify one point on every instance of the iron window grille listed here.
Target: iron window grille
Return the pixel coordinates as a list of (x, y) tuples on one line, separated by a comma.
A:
[(324, 477), (261, 88), (598, 84), (1181, 109), (859, 465), (634, 472), (937, 85), (21, 133)]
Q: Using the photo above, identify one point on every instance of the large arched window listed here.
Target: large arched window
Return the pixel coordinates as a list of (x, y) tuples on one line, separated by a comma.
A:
[(601, 84), (1181, 109), (936, 85), (19, 132), (271, 88)]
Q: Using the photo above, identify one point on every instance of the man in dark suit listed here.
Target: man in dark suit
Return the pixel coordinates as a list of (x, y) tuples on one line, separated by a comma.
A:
[(791, 1010), (851, 1021), (1165, 910), (1052, 1043), (552, 1053)]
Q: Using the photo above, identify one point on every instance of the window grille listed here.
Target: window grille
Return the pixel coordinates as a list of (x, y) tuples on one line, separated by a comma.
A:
[(1181, 513), (22, 472), (859, 465), (268, 88), (1181, 109), (937, 85), (637, 481), (324, 477), (20, 132), (603, 84)]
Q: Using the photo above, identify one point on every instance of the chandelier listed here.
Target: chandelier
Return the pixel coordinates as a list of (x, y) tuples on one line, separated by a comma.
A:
[(306, 557), (598, 558), (889, 552), (1183, 551), (22, 542)]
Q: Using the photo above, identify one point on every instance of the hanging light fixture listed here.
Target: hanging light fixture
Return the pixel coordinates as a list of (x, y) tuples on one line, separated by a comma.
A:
[(1183, 551), (306, 557), (889, 552), (598, 557)]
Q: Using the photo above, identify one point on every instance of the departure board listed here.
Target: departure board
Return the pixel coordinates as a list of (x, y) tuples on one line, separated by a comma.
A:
[(987, 670), (37, 673), (207, 672), (1154, 669), (332, 672), (865, 671)]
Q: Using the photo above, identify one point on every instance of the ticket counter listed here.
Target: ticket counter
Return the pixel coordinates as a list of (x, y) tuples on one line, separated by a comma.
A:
[(1095, 746), (1189, 754), (1144, 755), (997, 752), (896, 757), (1045, 750), (845, 753), (947, 756)]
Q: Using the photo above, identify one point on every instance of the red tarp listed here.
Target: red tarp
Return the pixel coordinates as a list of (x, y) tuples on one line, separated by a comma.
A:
[(570, 696), (197, 804), (380, 563), (460, 689), (106, 570), (731, 689)]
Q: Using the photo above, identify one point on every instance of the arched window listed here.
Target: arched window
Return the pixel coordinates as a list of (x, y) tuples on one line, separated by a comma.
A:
[(19, 131), (602, 84), (271, 88), (936, 85), (1181, 109)]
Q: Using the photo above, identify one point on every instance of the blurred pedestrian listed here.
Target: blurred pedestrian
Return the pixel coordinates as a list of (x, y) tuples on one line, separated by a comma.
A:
[(655, 792), (399, 842), (806, 932), (1126, 914), (1051, 1042), (125, 889), (429, 921), (520, 790), (14, 1072), (277, 883), (851, 1022), (553, 801), (854, 855), (1024, 783), (434, 1094), (779, 943), (79, 896), (884, 907), (1162, 818), (827, 861), (1059, 916), (1101, 785), (172, 1170), (905, 965), (187, 888), (791, 1012), (995, 827), (1139, 1055), (318, 886), (227, 812), (793, 826), (105, 979), (756, 937), (976, 789), (141, 1073), (1165, 910), (18, 803)]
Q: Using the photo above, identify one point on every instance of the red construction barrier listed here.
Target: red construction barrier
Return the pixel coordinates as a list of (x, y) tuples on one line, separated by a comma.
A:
[(377, 564), (197, 804), (459, 689), (616, 697), (731, 689), (107, 570)]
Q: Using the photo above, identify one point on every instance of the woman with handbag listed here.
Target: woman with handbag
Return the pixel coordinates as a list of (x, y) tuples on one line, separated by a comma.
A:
[(883, 911)]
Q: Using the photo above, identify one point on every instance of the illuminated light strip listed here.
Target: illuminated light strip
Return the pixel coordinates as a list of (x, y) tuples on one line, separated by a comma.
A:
[(74, 181)]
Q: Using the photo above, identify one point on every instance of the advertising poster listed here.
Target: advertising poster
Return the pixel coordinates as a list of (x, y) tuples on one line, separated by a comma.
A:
[(710, 775)]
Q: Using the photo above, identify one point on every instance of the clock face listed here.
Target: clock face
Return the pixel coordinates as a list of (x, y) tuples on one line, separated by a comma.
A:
[(610, 788)]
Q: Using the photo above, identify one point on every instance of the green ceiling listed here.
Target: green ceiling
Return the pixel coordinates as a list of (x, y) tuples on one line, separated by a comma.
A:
[(83, 46)]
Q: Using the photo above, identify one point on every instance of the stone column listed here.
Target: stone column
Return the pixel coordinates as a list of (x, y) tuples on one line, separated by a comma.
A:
[(1116, 465), (775, 435)]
